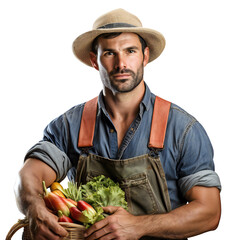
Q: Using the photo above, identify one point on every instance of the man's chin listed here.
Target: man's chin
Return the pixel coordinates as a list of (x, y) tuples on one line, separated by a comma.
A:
[(124, 89)]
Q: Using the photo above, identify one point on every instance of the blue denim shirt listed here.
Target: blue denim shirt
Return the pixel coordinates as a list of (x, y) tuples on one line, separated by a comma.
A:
[(187, 157)]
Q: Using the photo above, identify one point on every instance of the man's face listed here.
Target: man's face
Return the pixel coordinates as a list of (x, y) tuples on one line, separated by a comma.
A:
[(120, 62)]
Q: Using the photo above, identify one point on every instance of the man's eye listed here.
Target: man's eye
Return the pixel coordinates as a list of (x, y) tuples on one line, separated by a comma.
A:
[(109, 53), (131, 51)]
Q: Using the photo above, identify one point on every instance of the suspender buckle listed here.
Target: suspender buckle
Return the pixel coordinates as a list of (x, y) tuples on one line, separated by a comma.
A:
[(155, 151), (85, 150)]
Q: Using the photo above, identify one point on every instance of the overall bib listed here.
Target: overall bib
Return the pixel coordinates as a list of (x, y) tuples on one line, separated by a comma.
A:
[(142, 177)]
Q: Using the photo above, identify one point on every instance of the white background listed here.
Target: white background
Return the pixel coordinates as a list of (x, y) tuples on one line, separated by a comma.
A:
[(40, 79)]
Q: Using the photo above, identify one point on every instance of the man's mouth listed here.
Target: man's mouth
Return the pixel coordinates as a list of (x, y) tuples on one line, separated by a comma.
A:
[(121, 76)]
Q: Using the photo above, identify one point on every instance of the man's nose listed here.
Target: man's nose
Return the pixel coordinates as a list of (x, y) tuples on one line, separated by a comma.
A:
[(120, 62)]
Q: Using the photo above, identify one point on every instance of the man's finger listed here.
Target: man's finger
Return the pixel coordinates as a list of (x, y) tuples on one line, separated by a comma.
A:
[(95, 227), (59, 230), (110, 209)]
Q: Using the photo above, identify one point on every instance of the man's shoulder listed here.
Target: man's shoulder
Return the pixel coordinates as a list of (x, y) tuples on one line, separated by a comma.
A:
[(180, 118), (180, 112)]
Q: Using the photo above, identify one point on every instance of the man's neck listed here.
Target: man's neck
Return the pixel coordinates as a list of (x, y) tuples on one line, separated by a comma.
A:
[(123, 106)]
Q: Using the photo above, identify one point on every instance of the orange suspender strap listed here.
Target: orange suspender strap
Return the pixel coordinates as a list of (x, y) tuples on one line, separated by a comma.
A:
[(86, 132), (158, 127), (159, 123)]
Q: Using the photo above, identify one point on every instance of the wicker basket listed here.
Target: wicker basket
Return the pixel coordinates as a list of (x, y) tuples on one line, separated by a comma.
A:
[(75, 231)]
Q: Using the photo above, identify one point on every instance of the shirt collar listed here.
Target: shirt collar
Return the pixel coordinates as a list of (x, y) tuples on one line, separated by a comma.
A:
[(146, 101), (101, 104), (144, 105)]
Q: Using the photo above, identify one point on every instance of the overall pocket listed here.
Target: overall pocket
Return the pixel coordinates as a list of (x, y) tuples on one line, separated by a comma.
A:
[(139, 194)]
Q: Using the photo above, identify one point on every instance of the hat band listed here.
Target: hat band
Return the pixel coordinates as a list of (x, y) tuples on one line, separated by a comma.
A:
[(116, 25)]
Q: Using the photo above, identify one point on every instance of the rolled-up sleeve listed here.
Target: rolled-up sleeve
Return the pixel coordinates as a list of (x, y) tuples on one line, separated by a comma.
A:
[(52, 156), (206, 178), (53, 149), (196, 166)]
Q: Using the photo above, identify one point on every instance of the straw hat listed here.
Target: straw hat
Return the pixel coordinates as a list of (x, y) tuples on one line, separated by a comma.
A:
[(118, 20)]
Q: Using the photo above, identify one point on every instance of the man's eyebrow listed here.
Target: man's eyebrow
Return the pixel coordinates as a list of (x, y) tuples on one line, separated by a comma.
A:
[(108, 50), (132, 47), (113, 50)]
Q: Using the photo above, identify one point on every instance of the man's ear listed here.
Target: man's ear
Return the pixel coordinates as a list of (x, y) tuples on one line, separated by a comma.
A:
[(93, 59), (146, 56)]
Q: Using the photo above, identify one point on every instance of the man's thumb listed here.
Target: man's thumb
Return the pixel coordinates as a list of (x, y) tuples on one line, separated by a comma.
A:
[(110, 209)]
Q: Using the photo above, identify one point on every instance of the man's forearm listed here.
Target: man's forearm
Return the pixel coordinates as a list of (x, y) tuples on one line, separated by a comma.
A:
[(28, 188), (186, 221), (28, 192)]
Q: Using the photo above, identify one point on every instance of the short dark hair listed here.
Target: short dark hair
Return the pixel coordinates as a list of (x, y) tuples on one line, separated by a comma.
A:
[(113, 35)]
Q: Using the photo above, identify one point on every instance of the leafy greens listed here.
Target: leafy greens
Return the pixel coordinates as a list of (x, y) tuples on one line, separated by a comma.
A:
[(102, 192)]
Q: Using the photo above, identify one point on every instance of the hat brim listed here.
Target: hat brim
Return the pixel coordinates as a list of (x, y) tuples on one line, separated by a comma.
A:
[(83, 44)]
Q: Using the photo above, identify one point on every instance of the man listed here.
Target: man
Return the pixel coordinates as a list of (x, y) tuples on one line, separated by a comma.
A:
[(160, 155)]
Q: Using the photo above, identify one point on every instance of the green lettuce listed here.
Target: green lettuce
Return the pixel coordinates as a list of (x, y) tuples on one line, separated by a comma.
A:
[(92, 218), (102, 191)]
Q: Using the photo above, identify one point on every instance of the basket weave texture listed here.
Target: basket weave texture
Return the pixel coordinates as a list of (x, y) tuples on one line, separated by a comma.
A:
[(75, 231)]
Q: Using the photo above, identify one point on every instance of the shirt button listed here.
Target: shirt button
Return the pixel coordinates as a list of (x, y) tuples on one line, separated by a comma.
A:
[(132, 129), (111, 130)]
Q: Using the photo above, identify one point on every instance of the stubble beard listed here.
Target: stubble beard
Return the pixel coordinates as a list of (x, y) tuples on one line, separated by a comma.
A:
[(123, 85)]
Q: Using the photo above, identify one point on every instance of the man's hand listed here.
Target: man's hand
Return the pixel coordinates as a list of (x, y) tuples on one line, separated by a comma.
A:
[(44, 225), (120, 225)]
